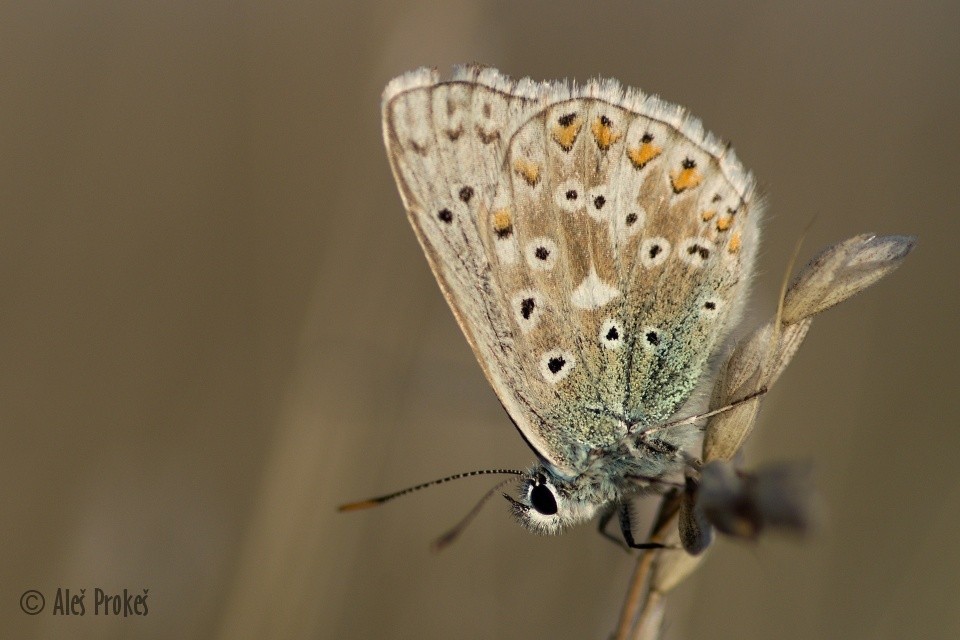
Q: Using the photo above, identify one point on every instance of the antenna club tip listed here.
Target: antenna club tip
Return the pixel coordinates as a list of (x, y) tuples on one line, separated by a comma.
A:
[(357, 506), (443, 541)]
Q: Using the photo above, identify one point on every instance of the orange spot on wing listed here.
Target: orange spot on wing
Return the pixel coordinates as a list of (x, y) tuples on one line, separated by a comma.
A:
[(724, 223), (735, 241), (527, 170), (502, 223), (643, 154), (708, 215), (566, 135), (604, 134), (685, 179)]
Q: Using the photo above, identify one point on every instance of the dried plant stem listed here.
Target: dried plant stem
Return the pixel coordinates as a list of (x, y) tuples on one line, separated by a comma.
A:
[(637, 595), (837, 273), (651, 618), (643, 605)]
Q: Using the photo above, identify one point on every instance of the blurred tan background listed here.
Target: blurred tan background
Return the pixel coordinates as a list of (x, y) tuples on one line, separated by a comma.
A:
[(216, 324)]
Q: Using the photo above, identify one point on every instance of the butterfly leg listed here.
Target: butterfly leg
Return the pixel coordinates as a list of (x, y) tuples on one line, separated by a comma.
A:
[(605, 517), (628, 534), (627, 543)]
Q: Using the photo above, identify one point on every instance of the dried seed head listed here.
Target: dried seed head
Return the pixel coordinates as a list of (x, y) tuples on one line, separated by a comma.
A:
[(696, 532), (843, 270), (780, 496)]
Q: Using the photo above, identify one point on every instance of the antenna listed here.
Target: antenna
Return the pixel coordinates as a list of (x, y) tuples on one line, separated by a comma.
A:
[(443, 541), (376, 502), (709, 414)]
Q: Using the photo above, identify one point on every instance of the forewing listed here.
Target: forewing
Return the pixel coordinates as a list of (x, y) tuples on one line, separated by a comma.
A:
[(446, 143)]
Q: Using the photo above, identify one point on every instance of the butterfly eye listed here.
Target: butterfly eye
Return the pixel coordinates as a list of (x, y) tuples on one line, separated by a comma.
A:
[(541, 497)]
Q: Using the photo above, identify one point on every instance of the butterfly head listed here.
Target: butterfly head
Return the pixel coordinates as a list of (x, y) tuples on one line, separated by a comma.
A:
[(547, 505)]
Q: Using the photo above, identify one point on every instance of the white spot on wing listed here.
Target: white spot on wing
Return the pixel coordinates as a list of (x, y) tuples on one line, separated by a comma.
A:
[(556, 365), (709, 308), (650, 338), (654, 251), (598, 203), (541, 253), (611, 334), (570, 196), (527, 307), (632, 221), (593, 292), (695, 251), (506, 249)]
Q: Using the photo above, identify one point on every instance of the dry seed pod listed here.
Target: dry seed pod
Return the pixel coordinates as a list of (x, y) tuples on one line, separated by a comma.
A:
[(695, 531), (742, 373), (787, 498), (780, 496), (789, 341), (726, 432), (672, 565), (756, 364), (740, 504), (650, 624), (843, 270), (837, 273)]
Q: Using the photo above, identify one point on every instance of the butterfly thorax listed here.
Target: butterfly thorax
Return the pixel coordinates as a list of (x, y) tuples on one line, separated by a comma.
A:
[(650, 461)]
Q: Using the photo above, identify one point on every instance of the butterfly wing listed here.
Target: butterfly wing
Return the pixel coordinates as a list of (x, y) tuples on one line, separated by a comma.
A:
[(655, 239), (592, 244), (446, 142)]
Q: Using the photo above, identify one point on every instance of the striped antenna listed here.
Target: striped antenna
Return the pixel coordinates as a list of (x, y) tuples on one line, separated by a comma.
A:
[(450, 536), (375, 502)]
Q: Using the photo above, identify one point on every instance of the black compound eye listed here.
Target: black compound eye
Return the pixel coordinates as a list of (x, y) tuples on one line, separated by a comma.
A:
[(542, 500)]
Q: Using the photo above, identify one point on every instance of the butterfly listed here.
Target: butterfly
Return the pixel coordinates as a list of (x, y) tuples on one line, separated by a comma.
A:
[(596, 246)]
